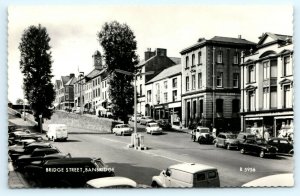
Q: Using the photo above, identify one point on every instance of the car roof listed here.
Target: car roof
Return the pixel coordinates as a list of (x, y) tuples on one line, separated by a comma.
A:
[(111, 181), (152, 123), (192, 167), (69, 161), (45, 149), (39, 144), (282, 180), (278, 138), (227, 133)]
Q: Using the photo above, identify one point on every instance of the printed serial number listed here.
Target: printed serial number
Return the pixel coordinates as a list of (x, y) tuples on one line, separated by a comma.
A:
[(247, 169)]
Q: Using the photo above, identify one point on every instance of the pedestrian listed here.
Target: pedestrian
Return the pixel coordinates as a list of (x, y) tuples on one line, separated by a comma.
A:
[(267, 135), (257, 134)]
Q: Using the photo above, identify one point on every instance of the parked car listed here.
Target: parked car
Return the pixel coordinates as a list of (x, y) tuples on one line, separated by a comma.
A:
[(227, 140), (202, 135), (284, 145), (259, 147), (242, 136), (138, 118), (187, 175), (71, 172), (57, 132), (20, 144), (146, 119), (277, 180), (122, 129), (164, 124), (15, 153), (153, 128), (111, 182), (37, 155)]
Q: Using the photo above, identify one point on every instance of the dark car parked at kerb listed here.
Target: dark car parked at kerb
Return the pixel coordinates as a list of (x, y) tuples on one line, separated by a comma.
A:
[(242, 136), (71, 172), (259, 147), (36, 155), (15, 153), (284, 146)]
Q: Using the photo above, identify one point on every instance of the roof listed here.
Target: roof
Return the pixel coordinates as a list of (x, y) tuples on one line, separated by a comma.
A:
[(94, 73), (65, 79), (218, 39), (166, 73), (192, 167), (111, 181), (276, 37), (176, 60), (71, 81), (143, 62)]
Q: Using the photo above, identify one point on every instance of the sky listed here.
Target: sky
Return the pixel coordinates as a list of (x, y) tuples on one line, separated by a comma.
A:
[(73, 30)]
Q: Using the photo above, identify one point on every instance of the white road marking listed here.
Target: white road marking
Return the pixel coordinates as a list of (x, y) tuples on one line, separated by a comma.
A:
[(146, 152)]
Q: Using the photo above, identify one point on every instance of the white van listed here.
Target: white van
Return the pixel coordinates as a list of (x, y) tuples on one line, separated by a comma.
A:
[(57, 132)]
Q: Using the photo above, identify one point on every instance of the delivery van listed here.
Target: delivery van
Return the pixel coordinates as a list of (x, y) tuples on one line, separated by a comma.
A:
[(57, 132)]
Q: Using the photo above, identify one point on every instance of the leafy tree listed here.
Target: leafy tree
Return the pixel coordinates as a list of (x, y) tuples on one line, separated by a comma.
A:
[(119, 45), (19, 101), (35, 64)]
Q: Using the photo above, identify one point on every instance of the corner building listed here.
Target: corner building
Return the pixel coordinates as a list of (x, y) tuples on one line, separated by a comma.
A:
[(211, 82)]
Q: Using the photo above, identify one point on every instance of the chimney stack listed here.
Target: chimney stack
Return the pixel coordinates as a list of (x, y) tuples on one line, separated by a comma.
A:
[(72, 75), (149, 54), (240, 36)]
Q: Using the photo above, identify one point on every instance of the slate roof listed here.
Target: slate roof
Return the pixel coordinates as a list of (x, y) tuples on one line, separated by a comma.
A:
[(65, 79), (176, 60), (71, 81), (276, 37), (231, 40), (166, 73)]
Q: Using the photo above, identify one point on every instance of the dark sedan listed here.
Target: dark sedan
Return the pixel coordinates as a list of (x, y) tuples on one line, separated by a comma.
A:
[(259, 147), (284, 146), (15, 153)]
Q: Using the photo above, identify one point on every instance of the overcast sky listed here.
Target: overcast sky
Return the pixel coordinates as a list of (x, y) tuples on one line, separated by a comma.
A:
[(73, 30)]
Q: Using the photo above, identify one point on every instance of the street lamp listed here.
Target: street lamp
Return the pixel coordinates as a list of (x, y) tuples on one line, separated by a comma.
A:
[(135, 98), (81, 74)]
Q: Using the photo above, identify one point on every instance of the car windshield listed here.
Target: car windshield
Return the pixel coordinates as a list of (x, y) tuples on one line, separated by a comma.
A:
[(153, 125), (231, 136), (123, 126), (99, 163), (204, 130)]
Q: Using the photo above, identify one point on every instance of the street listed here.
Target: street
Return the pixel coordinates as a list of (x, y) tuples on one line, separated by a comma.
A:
[(171, 148)]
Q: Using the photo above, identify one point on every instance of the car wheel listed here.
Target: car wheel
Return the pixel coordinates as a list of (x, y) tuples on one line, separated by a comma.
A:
[(122, 133), (151, 133), (53, 139), (216, 144), (242, 151), (228, 147), (154, 185), (262, 154), (199, 140)]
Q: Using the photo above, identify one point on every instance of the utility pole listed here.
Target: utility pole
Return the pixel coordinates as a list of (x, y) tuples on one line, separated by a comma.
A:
[(213, 87), (81, 98)]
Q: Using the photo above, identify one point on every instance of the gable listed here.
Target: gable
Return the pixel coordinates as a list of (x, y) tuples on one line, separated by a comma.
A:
[(268, 39)]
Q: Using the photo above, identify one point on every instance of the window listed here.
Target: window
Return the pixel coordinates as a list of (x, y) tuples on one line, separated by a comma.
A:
[(199, 58), (186, 61), (193, 59), (157, 93), (287, 67), (200, 177), (273, 95), (199, 80), (193, 82), (174, 95), (251, 101), (273, 69), (219, 79), (166, 97), (149, 96), (266, 70), (235, 106), (235, 80), (166, 84), (251, 73), (219, 107), (187, 83), (174, 82), (266, 98), (141, 90), (67, 97), (220, 57), (212, 174), (236, 58), (287, 96)]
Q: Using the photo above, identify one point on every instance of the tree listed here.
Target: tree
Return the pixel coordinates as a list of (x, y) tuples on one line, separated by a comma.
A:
[(35, 64), (119, 45), (19, 101)]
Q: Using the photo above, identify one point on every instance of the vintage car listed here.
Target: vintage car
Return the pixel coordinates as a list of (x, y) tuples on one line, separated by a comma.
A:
[(111, 182), (153, 128), (259, 147), (284, 146), (15, 153), (202, 135), (187, 175), (242, 136), (226, 140), (20, 144), (70, 172), (138, 118), (164, 124), (146, 119), (36, 155), (122, 129)]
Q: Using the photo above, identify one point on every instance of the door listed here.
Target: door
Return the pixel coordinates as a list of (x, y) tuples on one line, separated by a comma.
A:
[(200, 179), (168, 178)]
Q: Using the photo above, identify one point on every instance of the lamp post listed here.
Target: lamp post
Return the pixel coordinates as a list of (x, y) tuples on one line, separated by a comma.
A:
[(81, 74), (135, 98)]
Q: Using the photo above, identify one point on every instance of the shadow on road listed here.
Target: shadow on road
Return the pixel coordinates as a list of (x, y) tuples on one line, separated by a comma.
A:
[(142, 175)]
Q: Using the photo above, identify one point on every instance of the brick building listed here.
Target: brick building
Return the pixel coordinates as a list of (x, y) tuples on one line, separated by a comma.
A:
[(211, 82), (267, 86)]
